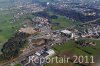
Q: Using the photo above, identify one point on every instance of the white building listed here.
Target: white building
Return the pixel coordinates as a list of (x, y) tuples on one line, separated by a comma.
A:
[(50, 52), (66, 31)]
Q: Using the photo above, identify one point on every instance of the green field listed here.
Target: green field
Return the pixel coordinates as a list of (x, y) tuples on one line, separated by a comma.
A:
[(18, 65), (7, 26), (63, 22), (71, 47)]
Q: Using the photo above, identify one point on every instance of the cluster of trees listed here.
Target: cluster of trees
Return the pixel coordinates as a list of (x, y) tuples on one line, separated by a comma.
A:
[(85, 43), (12, 47), (46, 15), (80, 41)]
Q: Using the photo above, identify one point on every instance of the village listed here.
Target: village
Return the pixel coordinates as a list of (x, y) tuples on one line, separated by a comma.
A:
[(43, 35)]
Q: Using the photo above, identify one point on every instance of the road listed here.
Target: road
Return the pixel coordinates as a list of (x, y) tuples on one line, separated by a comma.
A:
[(91, 21)]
